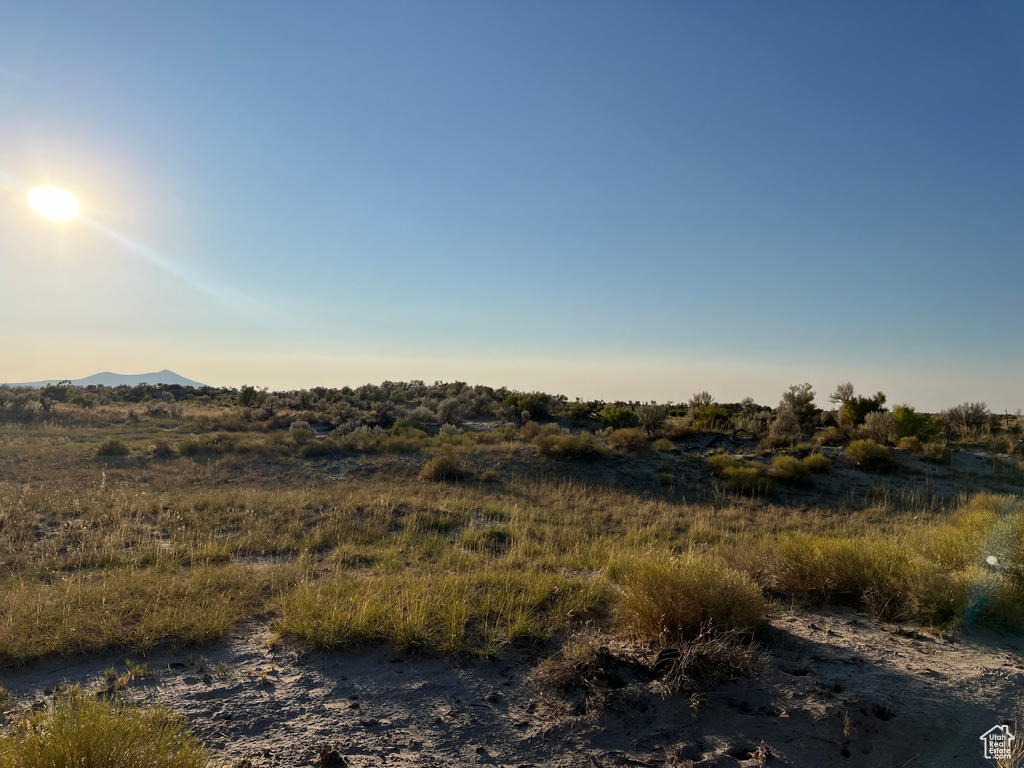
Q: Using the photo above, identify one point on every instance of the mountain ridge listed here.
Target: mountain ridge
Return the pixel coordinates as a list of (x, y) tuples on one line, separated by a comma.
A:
[(109, 379)]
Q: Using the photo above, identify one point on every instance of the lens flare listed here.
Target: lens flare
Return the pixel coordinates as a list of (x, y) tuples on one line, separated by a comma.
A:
[(55, 204)]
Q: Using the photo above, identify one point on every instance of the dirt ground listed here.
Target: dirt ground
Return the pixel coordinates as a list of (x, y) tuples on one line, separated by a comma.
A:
[(839, 689)]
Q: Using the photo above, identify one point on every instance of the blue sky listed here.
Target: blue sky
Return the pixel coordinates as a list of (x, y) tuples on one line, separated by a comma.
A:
[(633, 200)]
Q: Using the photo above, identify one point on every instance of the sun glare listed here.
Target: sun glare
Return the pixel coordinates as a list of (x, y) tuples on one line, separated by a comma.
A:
[(54, 204)]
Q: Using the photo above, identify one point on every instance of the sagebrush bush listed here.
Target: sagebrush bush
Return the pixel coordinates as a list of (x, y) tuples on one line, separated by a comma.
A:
[(78, 729), (669, 601), (446, 467), (580, 446), (790, 470), (630, 439), (113, 447), (911, 445), (818, 463), (869, 455), (937, 452), (832, 436), (618, 418)]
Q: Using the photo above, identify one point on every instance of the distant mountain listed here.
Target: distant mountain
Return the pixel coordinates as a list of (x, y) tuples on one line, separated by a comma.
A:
[(108, 379)]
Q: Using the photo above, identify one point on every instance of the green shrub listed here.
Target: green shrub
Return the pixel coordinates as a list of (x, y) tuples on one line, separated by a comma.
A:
[(581, 446), (818, 463), (748, 480), (711, 416), (869, 455), (670, 601), (652, 418), (719, 463), (81, 730), (446, 467), (661, 444), (856, 409), (112, 447), (631, 439), (907, 422), (789, 470), (618, 418)]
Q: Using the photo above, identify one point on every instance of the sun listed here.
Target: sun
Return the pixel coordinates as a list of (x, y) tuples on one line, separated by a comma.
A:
[(55, 204)]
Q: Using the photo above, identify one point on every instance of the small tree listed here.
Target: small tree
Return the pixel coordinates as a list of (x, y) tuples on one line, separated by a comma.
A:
[(843, 393), (799, 399), (699, 399), (968, 418)]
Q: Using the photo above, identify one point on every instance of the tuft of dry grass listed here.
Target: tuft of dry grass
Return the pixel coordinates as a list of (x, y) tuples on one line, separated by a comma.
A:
[(666, 601), (79, 729), (444, 468)]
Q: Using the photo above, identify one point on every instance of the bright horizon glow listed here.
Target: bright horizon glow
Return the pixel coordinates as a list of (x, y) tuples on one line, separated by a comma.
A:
[(55, 204)]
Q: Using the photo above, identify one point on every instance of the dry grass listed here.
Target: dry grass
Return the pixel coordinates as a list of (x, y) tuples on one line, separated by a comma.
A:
[(145, 550), (668, 601), (81, 730)]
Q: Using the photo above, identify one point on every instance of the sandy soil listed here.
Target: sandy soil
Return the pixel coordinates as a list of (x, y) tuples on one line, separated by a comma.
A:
[(839, 689)]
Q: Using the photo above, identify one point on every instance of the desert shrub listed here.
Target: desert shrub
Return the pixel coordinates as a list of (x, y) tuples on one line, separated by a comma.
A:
[(631, 439), (652, 418), (832, 436), (679, 431), (937, 452), (907, 422), (661, 444), (578, 412), (911, 445), (409, 427), (855, 410), (711, 416), (869, 455), (210, 445), (78, 729), (784, 429), (719, 463), (967, 419), (818, 463), (618, 418), (878, 426), (748, 480), (700, 399), (113, 447), (669, 601), (581, 446), (300, 432), (521, 407), (162, 449), (799, 399), (790, 470), (446, 467)]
